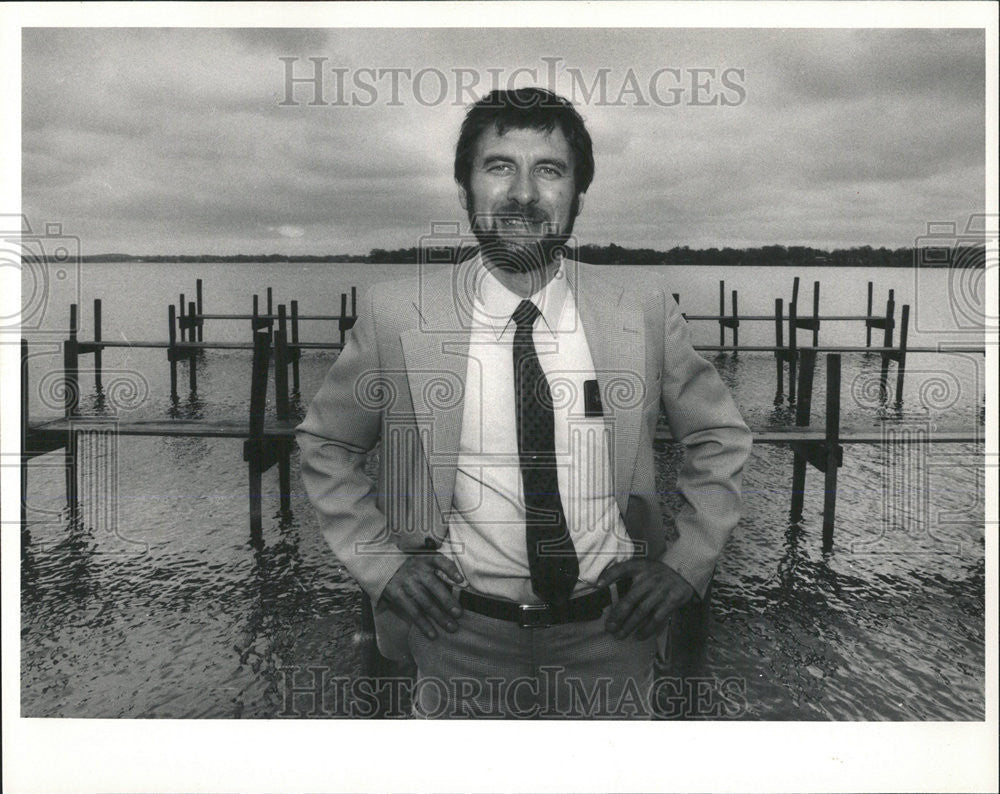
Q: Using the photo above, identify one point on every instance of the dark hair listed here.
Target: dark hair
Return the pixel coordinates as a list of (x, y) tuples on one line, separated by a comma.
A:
[(525, 108)]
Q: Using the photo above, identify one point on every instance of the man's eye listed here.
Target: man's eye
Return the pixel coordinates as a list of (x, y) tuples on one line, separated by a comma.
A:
[(501, 168), (549, 171)]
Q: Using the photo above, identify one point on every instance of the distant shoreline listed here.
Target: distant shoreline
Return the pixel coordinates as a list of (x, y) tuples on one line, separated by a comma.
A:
[(98, 260), (946, 254)]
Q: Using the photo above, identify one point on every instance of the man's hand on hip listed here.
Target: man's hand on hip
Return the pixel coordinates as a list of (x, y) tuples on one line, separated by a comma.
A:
[(417, 591), (656, 591)]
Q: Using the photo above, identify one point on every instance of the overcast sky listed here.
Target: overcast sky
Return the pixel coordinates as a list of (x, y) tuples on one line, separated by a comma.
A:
[(176, 141)]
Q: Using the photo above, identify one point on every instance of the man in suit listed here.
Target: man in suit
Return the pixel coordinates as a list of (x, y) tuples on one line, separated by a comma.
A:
[(515, 545)]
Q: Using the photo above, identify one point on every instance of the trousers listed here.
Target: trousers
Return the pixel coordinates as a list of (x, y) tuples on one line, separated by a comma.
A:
[(493, 668)]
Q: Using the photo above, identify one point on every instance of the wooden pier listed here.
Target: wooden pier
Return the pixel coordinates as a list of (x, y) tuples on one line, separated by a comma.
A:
[(275, 345), (275, 335)]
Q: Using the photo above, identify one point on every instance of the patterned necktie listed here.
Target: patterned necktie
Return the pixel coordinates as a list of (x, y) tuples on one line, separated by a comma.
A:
[(551, 555)]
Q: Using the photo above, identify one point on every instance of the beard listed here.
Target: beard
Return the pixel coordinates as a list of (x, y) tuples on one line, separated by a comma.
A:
[(521, 239)]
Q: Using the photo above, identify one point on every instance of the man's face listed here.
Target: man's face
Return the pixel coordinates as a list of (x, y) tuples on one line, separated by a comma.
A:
[(522, 197)]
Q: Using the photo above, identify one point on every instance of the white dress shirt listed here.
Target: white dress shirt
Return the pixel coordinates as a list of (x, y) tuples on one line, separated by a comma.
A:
[(487, 528)]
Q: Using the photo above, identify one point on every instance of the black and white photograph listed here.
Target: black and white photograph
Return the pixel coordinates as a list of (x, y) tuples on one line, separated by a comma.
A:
[(452, 393)]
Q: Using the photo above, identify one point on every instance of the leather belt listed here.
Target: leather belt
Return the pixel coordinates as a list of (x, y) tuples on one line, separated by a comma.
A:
[(536, 616)]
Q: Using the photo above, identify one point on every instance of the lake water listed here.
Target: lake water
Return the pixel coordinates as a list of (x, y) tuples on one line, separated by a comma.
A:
[(158, 605)]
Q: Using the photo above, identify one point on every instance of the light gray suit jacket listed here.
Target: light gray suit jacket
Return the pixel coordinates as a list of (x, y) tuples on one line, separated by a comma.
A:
[(401, 379)]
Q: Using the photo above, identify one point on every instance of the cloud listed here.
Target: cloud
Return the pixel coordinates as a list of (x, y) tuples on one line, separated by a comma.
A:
[(176, 140)]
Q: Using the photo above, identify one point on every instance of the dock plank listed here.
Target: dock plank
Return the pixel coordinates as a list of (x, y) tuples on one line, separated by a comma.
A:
[(286, 429)]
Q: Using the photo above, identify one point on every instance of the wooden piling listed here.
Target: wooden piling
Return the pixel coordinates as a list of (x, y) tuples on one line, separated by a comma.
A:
[(890, 311), (281, 365), (98, 358), (736, 323), (253, 447), (192, 354), (294, 352), (779, 355), (868, 314), (71, 384), (270, 305), (182, 304), (900, 356), (172, 348), (343, 326), (282, 408), (831, 448), (793, 352), (354, 302), (71, 368), (815, 327), (200, 308), (802, 410), (722, 313)]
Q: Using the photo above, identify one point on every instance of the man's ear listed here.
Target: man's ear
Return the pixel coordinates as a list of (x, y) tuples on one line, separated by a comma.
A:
[(579, 202), (463, 198)]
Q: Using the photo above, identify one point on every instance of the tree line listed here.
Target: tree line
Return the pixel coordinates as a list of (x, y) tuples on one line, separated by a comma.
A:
[(945, 255)]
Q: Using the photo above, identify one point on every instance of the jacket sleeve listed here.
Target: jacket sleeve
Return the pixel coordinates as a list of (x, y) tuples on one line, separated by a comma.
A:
[(703, 416), (342, 425)]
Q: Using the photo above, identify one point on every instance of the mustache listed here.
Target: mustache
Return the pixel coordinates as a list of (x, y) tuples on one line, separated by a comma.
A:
[(526, 214)]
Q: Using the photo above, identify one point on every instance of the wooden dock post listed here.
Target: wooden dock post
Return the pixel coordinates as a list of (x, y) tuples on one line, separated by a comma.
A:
[(802, 410), (98, 358), (779, 354), (831, 451), (725, 322), (182, 304), (71, 369), (793, 352), (354, 303), (815, 318), (256, 321), (172, 348), (868, 314), (270, 308), (826, 455), (281, 364), (904, 324), (294, 352), (342, 324), (736, 323), (900, 354), (254, 447), (889, 322), (807, 323), (722, 313), (200, 308), (193, 353), (71, 385), (282, 407)]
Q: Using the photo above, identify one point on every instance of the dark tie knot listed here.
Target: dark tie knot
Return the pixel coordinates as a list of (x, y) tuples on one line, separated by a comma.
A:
[(525, 314)]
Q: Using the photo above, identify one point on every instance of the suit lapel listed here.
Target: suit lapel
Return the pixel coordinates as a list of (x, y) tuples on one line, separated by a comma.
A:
[(436, 358), (614, 329)]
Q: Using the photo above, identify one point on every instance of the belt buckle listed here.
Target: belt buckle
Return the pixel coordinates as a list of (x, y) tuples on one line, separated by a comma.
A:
[(534, 616)]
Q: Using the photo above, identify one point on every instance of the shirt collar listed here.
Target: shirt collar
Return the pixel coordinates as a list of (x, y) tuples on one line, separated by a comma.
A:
[(497, 303)]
